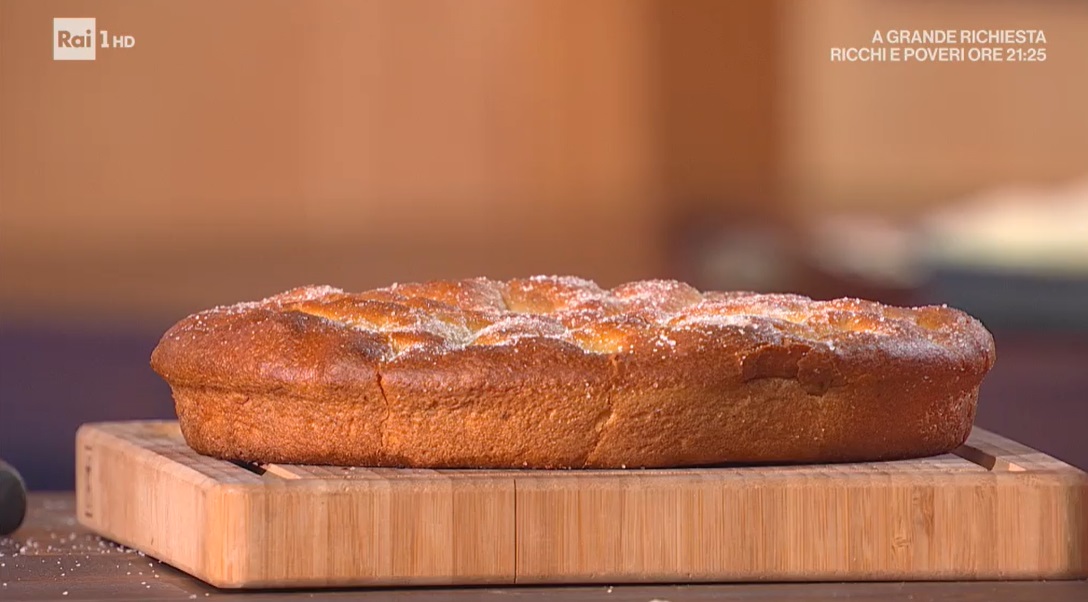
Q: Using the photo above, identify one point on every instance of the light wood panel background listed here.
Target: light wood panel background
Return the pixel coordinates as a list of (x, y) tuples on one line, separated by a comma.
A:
[(241, 148), (897, 138)]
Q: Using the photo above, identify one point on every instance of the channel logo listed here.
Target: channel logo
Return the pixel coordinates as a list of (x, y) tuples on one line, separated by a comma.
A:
[(76, 39), (73, 39)]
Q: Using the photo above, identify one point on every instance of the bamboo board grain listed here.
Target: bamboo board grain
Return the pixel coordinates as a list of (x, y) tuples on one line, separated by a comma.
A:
[(993, 510)]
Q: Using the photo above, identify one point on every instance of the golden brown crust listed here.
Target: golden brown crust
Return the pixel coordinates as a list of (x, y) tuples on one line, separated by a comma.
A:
[(550, 372)]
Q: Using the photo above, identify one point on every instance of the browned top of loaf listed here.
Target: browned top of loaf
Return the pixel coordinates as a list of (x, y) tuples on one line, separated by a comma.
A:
[(318, 339)]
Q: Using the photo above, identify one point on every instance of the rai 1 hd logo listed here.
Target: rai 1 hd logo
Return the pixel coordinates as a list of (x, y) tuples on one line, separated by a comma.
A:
[(77, 39)]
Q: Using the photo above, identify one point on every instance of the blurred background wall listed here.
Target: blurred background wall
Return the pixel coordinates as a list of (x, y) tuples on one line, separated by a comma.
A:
[(243, 148)]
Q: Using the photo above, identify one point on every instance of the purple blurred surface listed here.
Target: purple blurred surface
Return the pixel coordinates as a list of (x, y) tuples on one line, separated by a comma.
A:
[(51, 382), (1037, 393)]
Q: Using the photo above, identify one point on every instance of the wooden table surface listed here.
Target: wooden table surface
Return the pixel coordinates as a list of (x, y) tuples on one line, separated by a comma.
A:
[(52, 558)]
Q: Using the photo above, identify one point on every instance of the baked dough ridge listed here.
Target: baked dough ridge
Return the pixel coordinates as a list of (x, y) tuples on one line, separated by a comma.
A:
[(555, 372)]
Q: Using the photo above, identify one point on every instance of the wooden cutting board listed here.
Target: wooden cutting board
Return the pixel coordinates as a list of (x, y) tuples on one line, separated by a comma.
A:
[(993, 510)]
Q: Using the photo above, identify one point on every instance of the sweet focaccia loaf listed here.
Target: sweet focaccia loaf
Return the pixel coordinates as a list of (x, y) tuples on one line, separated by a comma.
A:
[(550, 372)]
